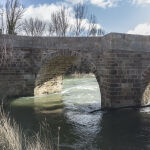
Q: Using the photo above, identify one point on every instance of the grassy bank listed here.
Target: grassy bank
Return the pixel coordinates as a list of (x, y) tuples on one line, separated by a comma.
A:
[(13, 138)]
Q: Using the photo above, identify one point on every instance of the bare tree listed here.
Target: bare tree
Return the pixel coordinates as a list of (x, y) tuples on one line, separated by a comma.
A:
[(60, 22), (28, 27), (50, 29), (39, 27), (63, 21), (55, 23), (1, 19), (14, 12), (80, 12), (101, 32), (34, 27), (93, 29)]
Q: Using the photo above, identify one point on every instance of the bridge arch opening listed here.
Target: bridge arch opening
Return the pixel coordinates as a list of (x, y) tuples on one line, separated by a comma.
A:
[(50, 77), (146, 87)]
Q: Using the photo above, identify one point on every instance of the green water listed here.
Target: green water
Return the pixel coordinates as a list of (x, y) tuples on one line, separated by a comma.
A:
[(118, 130)]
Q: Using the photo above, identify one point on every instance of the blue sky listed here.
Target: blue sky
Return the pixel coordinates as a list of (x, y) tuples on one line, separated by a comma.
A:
[(125, 16)]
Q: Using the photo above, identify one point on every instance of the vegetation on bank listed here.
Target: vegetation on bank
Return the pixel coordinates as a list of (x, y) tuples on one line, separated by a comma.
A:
[(12, 136)]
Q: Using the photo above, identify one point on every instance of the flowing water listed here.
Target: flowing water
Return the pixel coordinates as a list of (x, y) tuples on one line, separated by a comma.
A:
[(126, 129)]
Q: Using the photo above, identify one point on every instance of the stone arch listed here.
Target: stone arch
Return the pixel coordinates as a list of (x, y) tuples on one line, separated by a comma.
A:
[(146, 87), (50, 74)]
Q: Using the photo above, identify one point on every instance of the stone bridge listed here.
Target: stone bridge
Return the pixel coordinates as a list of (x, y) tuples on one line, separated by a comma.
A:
[(36, 65)]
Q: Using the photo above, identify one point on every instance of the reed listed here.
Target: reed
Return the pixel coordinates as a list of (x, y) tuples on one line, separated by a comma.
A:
[(13, 138)]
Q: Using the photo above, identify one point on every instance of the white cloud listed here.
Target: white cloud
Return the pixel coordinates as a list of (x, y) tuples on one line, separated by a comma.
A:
[(42, 11), (76, 1), (105, 3), (99, 3), (141, 2), (143, 29)]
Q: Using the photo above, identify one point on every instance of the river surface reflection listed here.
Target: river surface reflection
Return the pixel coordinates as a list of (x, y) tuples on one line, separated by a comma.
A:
[(117, 130)]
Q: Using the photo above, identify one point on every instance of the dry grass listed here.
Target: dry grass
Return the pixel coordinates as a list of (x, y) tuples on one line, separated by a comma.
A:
[(13, 138)]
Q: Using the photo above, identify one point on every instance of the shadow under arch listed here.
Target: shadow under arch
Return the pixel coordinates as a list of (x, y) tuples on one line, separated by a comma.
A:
[(49, 78), (145, 99)]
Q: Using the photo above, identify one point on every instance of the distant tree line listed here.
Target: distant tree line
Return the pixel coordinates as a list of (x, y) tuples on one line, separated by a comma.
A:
[(59, 24)]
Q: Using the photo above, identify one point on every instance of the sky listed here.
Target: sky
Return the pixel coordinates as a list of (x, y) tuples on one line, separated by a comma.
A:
[(121, 16)]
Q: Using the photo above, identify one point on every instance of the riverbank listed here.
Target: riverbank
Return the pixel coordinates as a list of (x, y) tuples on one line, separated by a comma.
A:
[(79, 75)]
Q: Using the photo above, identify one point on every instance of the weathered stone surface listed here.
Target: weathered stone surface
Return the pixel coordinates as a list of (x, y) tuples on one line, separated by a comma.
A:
[(120, 62)]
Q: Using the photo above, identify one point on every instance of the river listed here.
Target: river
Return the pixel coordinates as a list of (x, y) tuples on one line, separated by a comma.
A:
[(127, 129)]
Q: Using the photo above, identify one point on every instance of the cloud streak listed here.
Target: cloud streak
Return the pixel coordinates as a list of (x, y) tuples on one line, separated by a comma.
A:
[(105, 3), (99, 3), (141, 2), (108, 3)]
